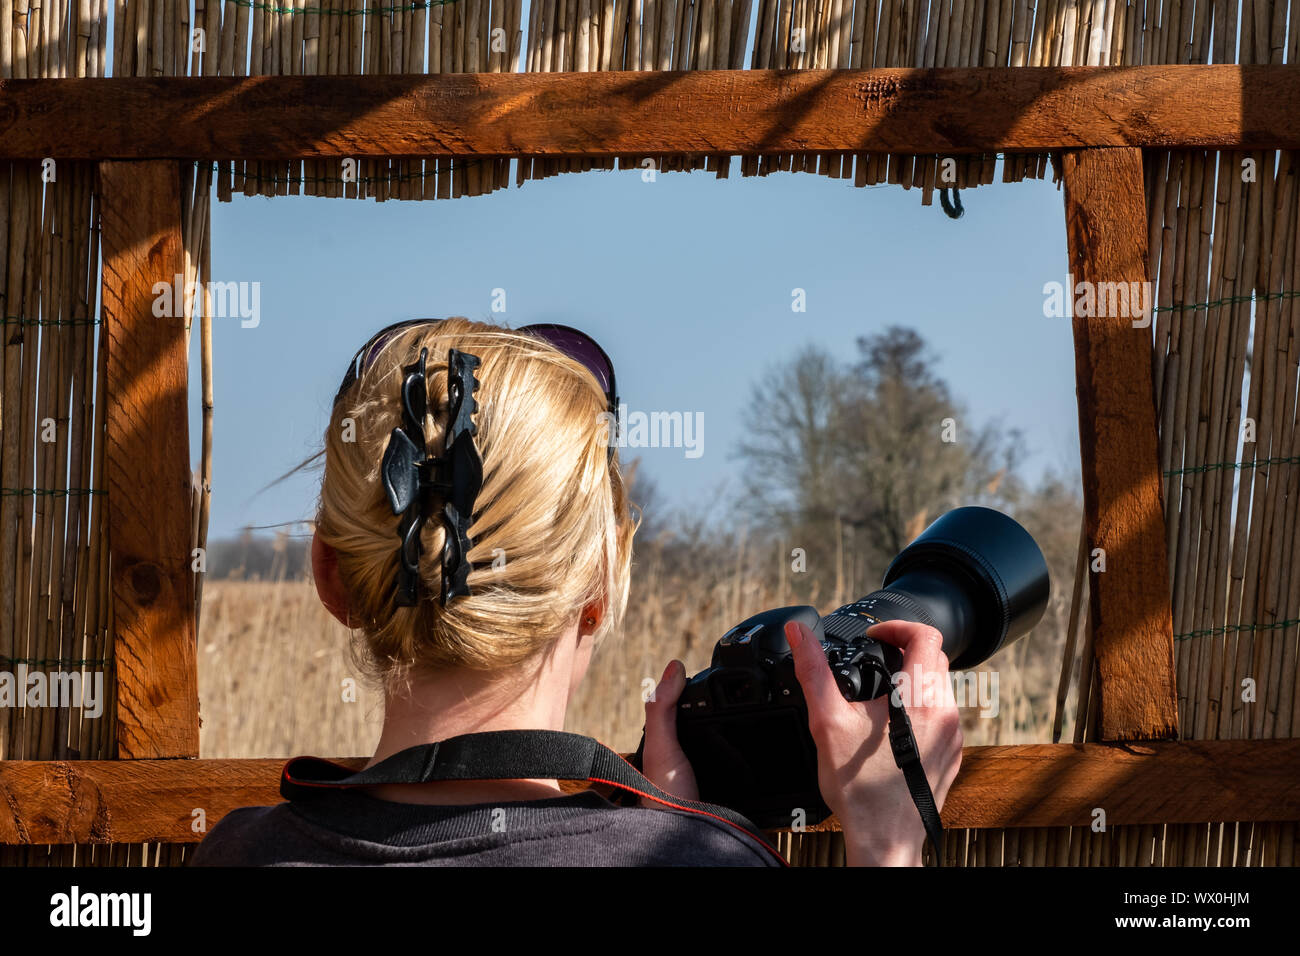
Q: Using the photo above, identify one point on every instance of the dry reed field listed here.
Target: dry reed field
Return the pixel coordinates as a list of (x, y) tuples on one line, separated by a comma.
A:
[(273, 662)]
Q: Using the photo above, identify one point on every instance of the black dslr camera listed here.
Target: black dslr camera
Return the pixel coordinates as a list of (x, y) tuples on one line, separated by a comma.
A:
[(975, 575)]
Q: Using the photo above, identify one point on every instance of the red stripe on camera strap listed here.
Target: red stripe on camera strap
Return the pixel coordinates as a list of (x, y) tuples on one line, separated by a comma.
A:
[(505, 755)]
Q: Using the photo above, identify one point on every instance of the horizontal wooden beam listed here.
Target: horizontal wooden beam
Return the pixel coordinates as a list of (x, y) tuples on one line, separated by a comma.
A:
[(128, 801), (1187, 781), (174, 801), (647, 112)]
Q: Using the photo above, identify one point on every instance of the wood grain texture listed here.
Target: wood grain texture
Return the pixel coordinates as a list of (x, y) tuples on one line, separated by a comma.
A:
[(1106, 228), (147, 463), (611, 113), (129, 801), (1188, 781)]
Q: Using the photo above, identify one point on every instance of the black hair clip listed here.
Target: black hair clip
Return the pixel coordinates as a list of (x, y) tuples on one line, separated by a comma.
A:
[(411, 476)]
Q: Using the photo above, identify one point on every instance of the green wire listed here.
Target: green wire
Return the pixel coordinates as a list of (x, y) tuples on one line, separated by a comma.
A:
[(45, 661), (400, 8), (1237, 628), (51, 492), (21, 320), (1231, 300), (1225, 465)]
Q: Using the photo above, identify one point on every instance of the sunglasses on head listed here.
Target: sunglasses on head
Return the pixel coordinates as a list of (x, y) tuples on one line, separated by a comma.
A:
[(575, 344)]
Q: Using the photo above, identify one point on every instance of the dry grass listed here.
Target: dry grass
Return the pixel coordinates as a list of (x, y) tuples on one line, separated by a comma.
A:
[(272, 667)]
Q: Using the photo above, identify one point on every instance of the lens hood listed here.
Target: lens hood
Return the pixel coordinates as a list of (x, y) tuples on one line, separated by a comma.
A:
[(995, 561)]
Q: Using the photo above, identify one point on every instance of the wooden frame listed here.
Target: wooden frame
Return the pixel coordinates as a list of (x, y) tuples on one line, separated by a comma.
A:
[(1203, 781), (1028, 109), (1106, 225), (1100, 117), (147, 432)]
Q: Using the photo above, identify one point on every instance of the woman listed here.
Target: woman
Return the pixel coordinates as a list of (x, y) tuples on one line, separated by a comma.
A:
[(491, 626)]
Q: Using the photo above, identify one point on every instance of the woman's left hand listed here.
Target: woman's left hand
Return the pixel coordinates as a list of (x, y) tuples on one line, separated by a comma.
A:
[(662, 760)]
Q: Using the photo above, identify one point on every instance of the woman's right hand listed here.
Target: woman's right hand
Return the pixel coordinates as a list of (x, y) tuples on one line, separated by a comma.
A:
[(856, 772)]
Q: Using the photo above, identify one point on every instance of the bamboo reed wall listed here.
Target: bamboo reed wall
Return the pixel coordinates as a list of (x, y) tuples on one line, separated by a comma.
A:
[(1224, 259), (54, 607)]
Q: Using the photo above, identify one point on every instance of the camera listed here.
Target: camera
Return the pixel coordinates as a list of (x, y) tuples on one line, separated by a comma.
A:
[(974, 574)]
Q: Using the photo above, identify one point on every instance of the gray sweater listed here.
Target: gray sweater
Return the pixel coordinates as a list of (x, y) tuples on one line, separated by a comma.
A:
[(351, 828)]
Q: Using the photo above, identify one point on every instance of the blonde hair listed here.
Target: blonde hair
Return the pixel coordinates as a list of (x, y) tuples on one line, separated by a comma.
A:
[(553, 505)]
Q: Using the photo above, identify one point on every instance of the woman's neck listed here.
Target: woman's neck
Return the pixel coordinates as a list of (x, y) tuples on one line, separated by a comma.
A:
[(451, 702)]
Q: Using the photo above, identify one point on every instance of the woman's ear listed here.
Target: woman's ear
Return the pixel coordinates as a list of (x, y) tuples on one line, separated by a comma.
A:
[(329, 586), (589, 620), (588, 623)]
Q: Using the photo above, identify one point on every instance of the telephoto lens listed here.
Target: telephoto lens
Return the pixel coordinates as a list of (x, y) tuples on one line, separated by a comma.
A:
[(975, 575)]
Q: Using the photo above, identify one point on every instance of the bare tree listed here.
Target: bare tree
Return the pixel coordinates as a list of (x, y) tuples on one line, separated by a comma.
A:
[(789, 456), (908, 450), (863, 455)]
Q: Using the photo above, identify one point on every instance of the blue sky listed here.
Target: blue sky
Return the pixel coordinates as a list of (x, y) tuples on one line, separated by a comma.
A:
[(686, 281)]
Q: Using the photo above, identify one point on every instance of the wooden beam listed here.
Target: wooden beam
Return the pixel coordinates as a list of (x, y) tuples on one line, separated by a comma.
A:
[(946, 111), (1106, 226), (1188, 781), (128, 801), (1203, 781), (148, 454)]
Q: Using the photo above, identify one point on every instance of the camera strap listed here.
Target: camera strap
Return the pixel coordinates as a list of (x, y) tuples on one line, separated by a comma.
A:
[(902, 741), (503, 755)]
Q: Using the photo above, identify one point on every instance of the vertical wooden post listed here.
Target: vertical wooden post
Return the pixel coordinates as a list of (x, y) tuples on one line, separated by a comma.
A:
[(148, 454), (1105, 218)]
